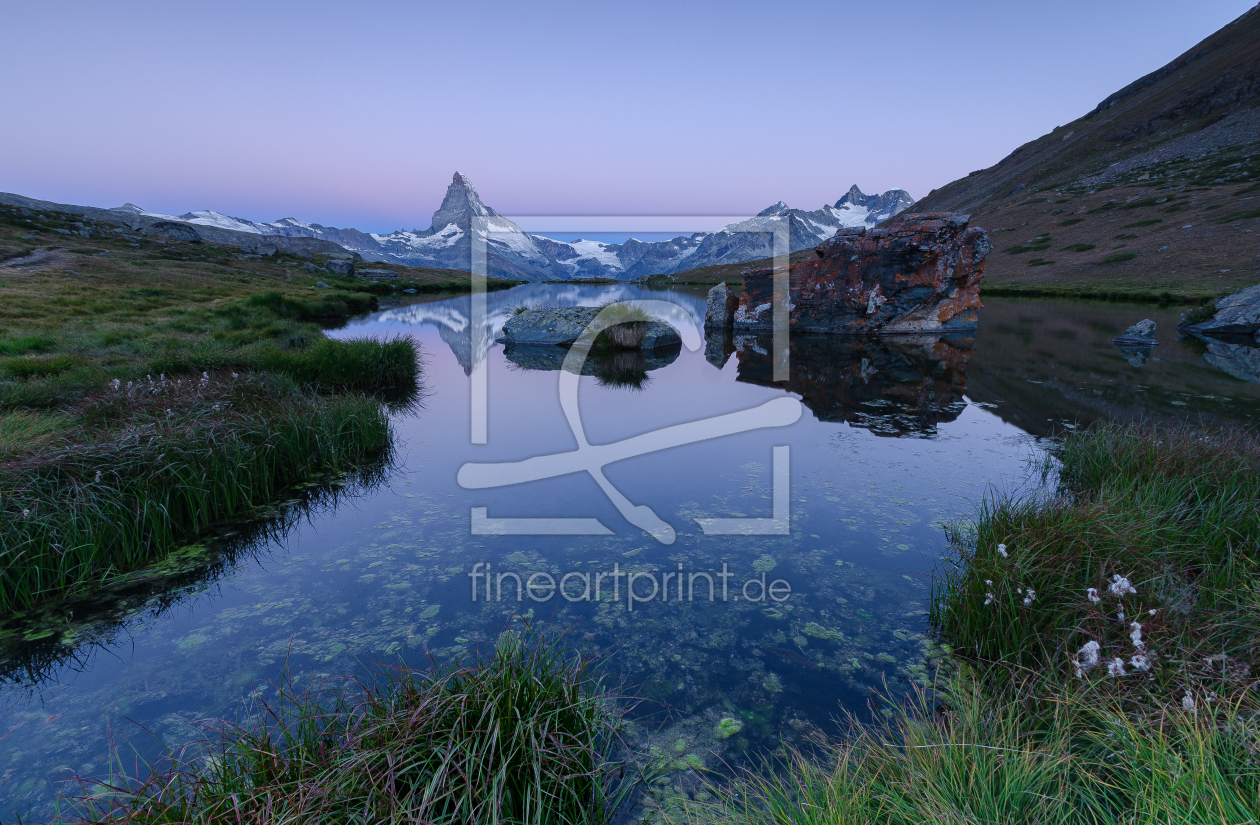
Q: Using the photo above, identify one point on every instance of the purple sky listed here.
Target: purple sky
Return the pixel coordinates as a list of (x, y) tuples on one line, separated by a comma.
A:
[(356, 114)]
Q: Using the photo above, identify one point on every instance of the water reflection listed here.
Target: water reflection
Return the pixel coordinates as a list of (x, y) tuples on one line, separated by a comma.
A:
[(387, 577), (895, 386)]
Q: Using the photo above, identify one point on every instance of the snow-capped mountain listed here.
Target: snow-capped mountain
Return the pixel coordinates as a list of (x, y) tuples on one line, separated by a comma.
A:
[(513, 253)]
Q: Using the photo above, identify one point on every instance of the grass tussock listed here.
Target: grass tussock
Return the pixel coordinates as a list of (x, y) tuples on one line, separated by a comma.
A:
[(972, 759), (147, 465), (1108, 636), (524, 736)]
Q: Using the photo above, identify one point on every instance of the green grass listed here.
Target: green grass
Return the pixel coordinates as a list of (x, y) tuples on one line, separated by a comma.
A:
[(1136, 224), (1200, 314), (1146, 546), (114, 450), (1119, 257), (146, 466), (1072, 222), (1078, 247), (524, 736)]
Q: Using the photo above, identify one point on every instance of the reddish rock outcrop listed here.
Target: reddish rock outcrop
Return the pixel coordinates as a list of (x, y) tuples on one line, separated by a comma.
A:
[(916, 274)]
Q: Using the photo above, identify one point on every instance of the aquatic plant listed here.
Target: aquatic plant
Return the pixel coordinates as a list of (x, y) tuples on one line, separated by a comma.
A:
[(524, 735)]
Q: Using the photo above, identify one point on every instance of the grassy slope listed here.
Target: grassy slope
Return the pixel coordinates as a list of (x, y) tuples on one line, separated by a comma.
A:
[(1178, 148), (1158, 724), (113, 444)]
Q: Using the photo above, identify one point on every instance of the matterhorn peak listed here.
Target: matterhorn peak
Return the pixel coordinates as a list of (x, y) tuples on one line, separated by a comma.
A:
[(459, 205)]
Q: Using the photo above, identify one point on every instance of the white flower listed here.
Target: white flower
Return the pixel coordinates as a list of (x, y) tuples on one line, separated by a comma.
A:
[(1120, 615), (1152, 611), (989, 582), (1092, 595), (115, 383), (1187, 703), (26, 514), (988, 598), (1087, 656), (98, 476), (234, 375), (1115, 667), (1120, 585), (1002, 551), (1029, 598), (1136, 636), (1140, 662)]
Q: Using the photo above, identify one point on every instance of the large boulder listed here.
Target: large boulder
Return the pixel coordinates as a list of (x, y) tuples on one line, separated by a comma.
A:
[(1141, 334), (561, 326), (1236, 314), (917, 274), (339, 267), (175, 230), (719, 311)]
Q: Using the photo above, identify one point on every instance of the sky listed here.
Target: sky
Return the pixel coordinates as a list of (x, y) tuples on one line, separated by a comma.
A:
[(357, 114)]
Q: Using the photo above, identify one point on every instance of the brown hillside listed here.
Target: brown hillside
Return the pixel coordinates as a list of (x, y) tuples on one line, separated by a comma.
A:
[(1153, 190)]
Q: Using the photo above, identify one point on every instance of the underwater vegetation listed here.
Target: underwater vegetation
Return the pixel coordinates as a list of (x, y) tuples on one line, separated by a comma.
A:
[(1107, 638)]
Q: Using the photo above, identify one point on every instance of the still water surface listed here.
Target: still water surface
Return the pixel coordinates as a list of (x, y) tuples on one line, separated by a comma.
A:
[(896, 438)]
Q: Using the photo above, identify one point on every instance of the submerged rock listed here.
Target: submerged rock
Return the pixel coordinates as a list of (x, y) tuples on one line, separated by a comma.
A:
[(1236, 314), (1141, 334), (562, 326), (917, 274)]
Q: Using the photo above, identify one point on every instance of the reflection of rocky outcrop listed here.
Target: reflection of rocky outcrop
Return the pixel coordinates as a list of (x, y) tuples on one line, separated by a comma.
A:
[(892, 386), (918, 274), (616, 367), (453, 316), (1240, 358)]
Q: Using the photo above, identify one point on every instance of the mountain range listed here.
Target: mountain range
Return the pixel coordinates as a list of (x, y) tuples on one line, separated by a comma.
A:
[(513, 253)]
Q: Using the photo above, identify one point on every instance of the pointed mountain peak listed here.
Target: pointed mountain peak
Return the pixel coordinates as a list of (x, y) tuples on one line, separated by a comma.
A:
[(459, 205), (854, 196), (777, 209), (129, 207)]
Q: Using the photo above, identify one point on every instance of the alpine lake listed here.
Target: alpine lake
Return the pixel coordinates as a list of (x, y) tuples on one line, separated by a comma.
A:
[(731, 642)]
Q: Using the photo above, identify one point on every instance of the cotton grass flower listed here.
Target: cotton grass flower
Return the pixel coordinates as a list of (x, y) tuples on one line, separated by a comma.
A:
[(1136, 636), (1087, 656), (1187, 703), (1030, 597), (26, 514), (1140, 662), (1002, 551), (988, 598), (1115, 667), (98, 477), (1120, 585)]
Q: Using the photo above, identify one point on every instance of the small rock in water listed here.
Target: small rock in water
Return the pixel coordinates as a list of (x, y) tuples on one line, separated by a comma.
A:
[(1140, 334)]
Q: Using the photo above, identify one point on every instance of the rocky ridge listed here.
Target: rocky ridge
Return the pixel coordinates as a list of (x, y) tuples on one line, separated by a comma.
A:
[(916, 274), (513, 253)]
